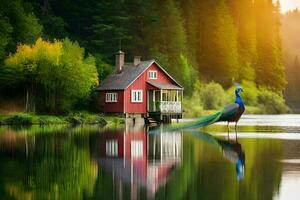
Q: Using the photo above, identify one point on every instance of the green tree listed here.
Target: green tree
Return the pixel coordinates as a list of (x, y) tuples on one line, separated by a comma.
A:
[(218, 54), (243, 15), (58, 71), (5, 35), (166, 37), (189, 75), (25, 25), (269, 68)]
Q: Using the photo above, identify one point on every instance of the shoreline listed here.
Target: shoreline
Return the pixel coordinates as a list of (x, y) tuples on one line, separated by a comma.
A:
[(81, 118)]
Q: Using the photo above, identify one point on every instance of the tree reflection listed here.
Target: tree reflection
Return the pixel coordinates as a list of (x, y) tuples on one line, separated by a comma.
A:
[(56, 167), (130, 163)]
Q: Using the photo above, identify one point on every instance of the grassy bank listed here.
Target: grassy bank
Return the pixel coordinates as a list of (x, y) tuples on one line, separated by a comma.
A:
[(74, 118)]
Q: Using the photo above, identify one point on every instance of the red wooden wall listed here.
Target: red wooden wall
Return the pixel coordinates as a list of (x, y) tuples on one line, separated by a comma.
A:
[(111, 107), (141, 84)]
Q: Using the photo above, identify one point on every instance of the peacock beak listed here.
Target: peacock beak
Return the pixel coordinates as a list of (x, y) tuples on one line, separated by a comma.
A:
[(242, 90)]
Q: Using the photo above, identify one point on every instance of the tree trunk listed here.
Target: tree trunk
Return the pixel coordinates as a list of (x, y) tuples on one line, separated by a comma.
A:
[(27, 100)]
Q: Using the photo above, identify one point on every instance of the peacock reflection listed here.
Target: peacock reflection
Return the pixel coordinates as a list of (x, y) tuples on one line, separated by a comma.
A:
[(231, 150)]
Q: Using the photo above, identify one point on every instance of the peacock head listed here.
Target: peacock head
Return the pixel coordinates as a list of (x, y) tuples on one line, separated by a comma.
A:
[(238, 90)]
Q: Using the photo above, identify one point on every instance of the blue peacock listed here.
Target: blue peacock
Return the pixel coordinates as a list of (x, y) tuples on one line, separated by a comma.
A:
[(231, 113)]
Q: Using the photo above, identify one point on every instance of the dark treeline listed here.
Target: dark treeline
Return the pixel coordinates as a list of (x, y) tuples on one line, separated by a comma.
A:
[(224, 41)]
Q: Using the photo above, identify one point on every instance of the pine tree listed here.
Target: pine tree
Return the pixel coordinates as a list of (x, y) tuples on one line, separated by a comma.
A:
[(243, 15), (218, 55), (191, 14), (166, 37), (269, 68), (296, 76)]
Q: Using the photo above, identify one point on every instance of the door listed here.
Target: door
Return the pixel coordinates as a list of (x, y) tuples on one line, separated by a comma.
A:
[(150, 101)]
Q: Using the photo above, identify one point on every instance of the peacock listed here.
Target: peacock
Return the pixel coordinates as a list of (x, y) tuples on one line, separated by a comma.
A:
[(231, 113)]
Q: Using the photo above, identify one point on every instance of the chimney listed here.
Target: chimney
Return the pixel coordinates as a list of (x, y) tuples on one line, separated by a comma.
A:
[(136, 60), (120, 59)]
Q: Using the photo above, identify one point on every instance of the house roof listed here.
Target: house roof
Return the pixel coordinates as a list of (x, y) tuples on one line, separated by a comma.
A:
[(164, 86), (120, 81)]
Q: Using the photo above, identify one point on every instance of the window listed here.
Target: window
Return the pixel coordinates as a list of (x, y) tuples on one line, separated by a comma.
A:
[(136, 95), (111, 97), (112, 148), (152, 74), (136, 149)]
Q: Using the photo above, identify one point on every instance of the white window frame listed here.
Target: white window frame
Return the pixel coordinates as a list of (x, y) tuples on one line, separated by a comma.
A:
[(111, 97), (136, 96), (152, 74), (136, 149), (112, 148)]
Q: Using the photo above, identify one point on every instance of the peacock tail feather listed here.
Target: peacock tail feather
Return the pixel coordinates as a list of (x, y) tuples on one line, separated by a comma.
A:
[(228, 113)]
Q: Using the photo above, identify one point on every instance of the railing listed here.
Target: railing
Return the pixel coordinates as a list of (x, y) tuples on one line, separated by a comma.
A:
[(170, 107)]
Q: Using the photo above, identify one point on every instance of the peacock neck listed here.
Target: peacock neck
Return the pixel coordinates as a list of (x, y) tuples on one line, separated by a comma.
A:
[(239, 100)]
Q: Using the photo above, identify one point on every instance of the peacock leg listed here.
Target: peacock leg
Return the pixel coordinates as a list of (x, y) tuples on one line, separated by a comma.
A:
[(236, 131)]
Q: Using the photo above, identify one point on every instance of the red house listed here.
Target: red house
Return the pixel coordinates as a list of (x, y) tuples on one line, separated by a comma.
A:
[(140, 89)]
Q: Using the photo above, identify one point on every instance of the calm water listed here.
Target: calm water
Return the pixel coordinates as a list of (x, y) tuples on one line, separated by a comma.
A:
[(263, 162)]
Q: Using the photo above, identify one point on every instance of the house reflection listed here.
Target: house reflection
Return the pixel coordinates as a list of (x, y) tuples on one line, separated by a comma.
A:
[(138, 159)]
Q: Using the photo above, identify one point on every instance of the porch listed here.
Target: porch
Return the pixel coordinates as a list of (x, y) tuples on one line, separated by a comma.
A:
[(164, 98), (165, 101)]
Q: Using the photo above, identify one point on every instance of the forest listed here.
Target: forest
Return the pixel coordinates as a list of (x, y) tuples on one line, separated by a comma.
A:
[(54, 52), (290, 43)]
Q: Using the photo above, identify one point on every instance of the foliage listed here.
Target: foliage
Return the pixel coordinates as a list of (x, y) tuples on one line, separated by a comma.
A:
[(167, 48), (18, 119), (190, 109), (290, 45), (269, 68), (219, 40), (103, 68), (58, 70), (213, 96), (218, 59), (210, 96), (271, 102), (85, 118), (72, 118), (18, 24), (188, 74)]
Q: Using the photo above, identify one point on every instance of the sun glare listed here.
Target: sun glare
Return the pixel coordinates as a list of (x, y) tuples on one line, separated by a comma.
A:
[(287, 5)]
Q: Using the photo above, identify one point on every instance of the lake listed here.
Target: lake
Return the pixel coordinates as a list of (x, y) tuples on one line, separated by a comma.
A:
[(260, 161)]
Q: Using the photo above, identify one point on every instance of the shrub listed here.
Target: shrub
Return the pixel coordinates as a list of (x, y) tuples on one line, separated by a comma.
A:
[(213, 96), (18, 119), (75, 118), (46, 119), (86, 118), (271, 102), (190, 109)]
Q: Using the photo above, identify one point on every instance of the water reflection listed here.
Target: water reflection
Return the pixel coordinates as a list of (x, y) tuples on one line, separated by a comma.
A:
[(51, 166), (129, 163), (231, 150), (142, 160)]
